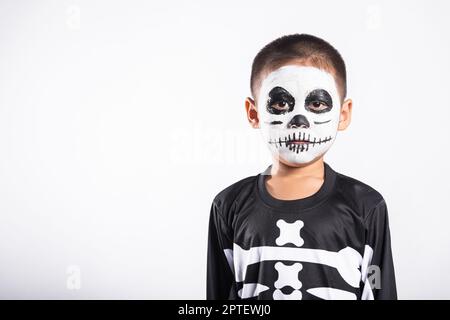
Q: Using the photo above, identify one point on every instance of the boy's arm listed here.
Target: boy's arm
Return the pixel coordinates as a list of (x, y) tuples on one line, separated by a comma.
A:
[(378, 268), (220, 279)]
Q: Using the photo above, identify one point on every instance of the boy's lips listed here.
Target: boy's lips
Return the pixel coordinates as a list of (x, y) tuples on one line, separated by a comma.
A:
[(297, 140)]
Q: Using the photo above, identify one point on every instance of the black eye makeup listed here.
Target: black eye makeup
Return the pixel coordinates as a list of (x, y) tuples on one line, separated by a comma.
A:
[(318, 101), (280, 101)]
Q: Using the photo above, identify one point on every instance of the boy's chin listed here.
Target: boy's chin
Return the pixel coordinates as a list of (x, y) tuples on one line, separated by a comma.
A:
[(296, 160)]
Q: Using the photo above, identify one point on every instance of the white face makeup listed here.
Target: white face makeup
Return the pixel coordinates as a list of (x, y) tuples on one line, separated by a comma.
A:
[(298, 110)]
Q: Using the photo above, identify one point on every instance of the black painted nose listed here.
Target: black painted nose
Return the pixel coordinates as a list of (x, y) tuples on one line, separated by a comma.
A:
[(299, 121)]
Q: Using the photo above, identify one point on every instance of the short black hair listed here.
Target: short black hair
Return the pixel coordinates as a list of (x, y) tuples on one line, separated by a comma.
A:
[(309, 49)]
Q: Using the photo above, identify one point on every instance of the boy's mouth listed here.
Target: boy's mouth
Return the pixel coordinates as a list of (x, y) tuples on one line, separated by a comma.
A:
[(299, 142)]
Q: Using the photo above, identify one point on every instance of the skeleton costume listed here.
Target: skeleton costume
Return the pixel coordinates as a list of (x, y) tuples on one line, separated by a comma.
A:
[(334, 244)]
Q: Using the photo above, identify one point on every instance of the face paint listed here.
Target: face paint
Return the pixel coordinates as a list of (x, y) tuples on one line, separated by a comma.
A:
[(299, 111)]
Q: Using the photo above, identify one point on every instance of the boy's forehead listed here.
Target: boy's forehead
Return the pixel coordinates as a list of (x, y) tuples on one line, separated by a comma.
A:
[(301, 77)]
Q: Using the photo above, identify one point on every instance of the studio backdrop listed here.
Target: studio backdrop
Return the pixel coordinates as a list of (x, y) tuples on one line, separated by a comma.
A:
[(121, 120)]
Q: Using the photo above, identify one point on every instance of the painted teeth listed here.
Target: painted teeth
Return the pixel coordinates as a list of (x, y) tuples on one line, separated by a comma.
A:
[(288, 142), (302, 146)]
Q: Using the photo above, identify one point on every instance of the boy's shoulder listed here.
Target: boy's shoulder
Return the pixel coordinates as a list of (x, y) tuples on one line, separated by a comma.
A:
[(232, 199), (234, 193), (363, 197)]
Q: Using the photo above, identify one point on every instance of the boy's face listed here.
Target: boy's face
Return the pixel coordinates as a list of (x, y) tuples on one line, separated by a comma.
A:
[(298, 109)]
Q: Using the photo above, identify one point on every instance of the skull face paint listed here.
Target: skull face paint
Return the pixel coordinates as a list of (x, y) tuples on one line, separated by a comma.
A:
[(298, 109)]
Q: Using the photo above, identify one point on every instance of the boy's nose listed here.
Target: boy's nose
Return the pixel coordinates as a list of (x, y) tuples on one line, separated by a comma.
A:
[(299, 121)]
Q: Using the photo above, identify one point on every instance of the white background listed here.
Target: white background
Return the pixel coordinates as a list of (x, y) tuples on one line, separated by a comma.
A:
[(121, 120)]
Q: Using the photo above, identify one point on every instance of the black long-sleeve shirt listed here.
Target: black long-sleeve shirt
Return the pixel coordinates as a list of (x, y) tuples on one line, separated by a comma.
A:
[(334, 244)]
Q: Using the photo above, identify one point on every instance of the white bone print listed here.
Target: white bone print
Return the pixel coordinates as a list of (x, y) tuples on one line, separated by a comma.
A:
[(289, 233), (288, 274), (294, 295), (288, 261), (346, 261)]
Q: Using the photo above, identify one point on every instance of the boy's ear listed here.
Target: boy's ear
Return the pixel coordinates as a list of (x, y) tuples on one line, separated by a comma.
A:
[(252, 112), (345, 116)]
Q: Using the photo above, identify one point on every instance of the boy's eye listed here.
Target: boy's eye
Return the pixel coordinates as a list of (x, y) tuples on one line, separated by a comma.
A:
[(317, 106), (280, 101), (318, 101), (282, 105)]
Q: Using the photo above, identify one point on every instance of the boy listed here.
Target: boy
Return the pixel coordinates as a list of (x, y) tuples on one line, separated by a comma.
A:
[(299, 230)]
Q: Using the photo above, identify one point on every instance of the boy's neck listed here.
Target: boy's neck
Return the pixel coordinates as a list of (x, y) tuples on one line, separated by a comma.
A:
[(293, 183)]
